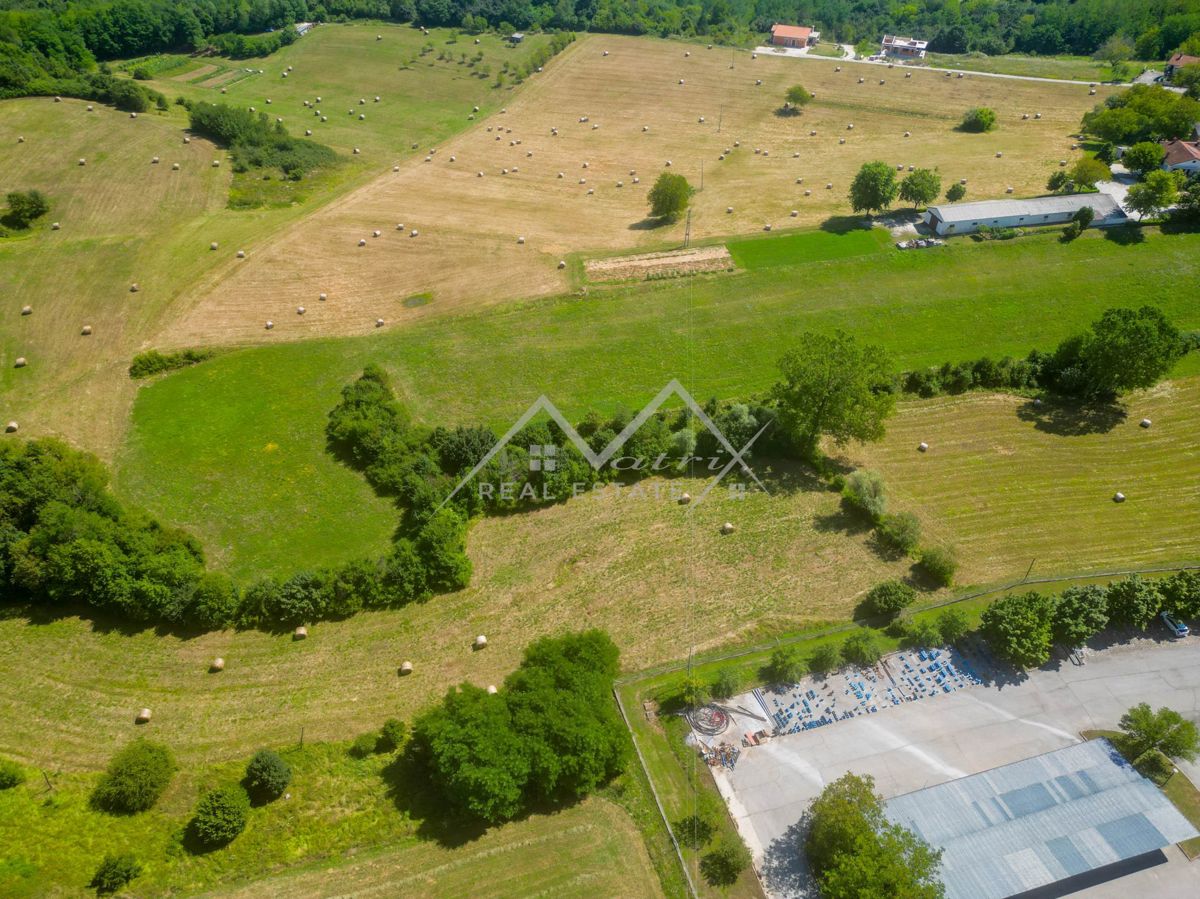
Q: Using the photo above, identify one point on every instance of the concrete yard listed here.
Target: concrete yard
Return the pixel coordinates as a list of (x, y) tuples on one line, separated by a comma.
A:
[(918, 744)]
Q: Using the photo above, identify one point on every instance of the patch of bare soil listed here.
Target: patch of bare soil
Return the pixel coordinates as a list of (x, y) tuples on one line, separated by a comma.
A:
[(672, 263)]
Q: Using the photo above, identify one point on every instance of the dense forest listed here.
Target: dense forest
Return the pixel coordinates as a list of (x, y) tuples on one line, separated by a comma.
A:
[(43, 41)]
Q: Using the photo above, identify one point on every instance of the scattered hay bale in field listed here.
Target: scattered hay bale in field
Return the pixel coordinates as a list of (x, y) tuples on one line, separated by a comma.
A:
[(922, 446), (224, 91), (812, 133), (86, 331), (213, 245), (11, 427), (795, 213), (1062, 163), (19, 362), (395, 168), (862, 80), (758, 82), (268, 101), (356, 151), (175, 167), (300, 310), (361, 116), (361, 101), (837, 68), (1144, 423), (376, 99), (376, 233), (1037, 115), (82, 161), (562, 263), (405, 668), (379, 37), (999, 154), (216, 164), (218, 664), (754, 56), (362, 242), (900, 167), (685, 499), (1074, 146), (491, 688), (504, 171), (881, 81), (701, 120), (324, 118), (687, 53), (620, 184), (591, 190), (962, 181), (20, 140), (412, 233), (480, 175), (583, 180), (799, 180), (58, 99), (908, 74), (645, 128), (1024, 116), (89, 109), (668, 163), (829, 186), (727, 528), (54, 226), (453, 158), (480, 642), (850, 126), (605, 53), (300, 633), (308, 132), (1092, 92), (681, 81), (766, 153), (134, 288), (908, 134), (379, 323), (841, 140), (28, 310), (475, 109), (1008, 190), (1118, 497), (143, 717), (241, 254), (322, 297), (767, 227), (520, 240), (636, 180)]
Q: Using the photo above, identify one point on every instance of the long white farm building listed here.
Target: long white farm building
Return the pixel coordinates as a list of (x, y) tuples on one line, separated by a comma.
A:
[(964, 218)]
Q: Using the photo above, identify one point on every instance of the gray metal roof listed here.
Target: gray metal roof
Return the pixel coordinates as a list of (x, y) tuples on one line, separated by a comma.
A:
[(1103, 204), (1040, 820)]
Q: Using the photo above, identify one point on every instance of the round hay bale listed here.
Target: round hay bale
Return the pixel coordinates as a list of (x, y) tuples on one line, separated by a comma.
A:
[(687, 53), (175, 167), (86, 331), (962, 180), (324, 118), (322, 297), (837, 68), (475, 109), (54, 226), (862, 80), (143, 717), (701, 120), (520, 240), (218, 664), (808, 193), (480, 642), (28, 310), (395, 168), (308, 132), (881, 81), (1037, 115), (908, 74), (999, 154), (361, 101), (850, 126), (829, 186), (154, 161), (728, 209), (361, 116), (376, 99), (412, 233), (405, 668), (379, 323), (133, 115), (812, 133), (1118, 497), (376, 233), (1074, 146), (11, 427), (841, 140), (668, 163), (766, 153), (379, 37), (620, 184), (318, 100), (645, 128), (1024, 116), (58, 99), (758, 82), (583, 180), (362, 241), (922, 447), (491, 688), (900, 168), (605, 53), (585, 165), (795, 213), (681, 81), (1008, 190), (454, 158), (727, 528), (20, 140), (216, 164), (799, 180), (224, 91), (300, 310), (82, 161), (685, 499), (480, 175), (636, 180), (300, 633), (356, 151), (562, 263), (268, 101), (1062, 163), (910, 168), (241, 254), (754, 56), (213, 245), (1144, 423), (767, 227), (908, 134), (134, 288), (1092, 92), (591, 190)]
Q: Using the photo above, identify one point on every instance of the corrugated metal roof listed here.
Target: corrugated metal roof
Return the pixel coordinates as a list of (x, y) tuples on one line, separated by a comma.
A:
[(1040, 820), (994, 209)]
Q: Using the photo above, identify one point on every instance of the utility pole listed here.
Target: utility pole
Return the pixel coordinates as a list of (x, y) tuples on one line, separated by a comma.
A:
[(687, 233), (720, 118)]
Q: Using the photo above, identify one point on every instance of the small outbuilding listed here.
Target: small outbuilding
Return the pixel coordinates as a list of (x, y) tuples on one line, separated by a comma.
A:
[(966, 218)]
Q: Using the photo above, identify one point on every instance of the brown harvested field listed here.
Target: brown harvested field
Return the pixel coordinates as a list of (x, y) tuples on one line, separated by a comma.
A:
[(672, 262), (467, 253), (591, 849)]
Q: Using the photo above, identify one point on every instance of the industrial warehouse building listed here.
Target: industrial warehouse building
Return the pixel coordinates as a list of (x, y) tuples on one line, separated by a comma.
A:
[(964, 218), (1044, 826)]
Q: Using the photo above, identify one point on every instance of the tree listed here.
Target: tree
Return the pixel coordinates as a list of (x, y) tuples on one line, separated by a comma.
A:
[(1060, 181), (1128, 349), (1133, 602), (1144, 157), (832, 386), (135, 779), (865, 493), (694, 831), (1087, 171), (825, 658), (1018, 628), (441, 545), (727, 682), (220, 816), (940, 564), (1165, 730), (392, 735), (1115, 50), (956, 192), (1079, 614), (953, 625), (901, 532), (921, 187), (724, 863), (115, 871), (1158, 191), (888, 598), (862, 648), (1083, 217), (1181, 594), (694, 691), (873, 188), (25, 207), (797, 97), (1188, 77), (978, 120), (786, 665), (267, 776), (669, 196)]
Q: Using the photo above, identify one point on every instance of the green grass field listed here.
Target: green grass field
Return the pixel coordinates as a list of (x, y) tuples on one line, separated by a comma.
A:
[(234, 448), (1072, 68), (807, 246)]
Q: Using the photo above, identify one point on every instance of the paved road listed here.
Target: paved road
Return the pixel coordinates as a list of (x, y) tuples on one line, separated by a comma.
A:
[(919, 744)]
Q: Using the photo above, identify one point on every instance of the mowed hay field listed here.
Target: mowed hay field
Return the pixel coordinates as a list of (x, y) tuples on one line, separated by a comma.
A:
[(467, 252), (1009, 483)]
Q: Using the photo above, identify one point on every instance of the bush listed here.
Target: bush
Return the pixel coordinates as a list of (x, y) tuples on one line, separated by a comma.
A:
[(940, 564), (267, 776), (924, 634), (889, 597), (1154, 765), (825, 658), (152, 362), (115, 871), (392, 735), (901, 532), (865, 493), (1071, 231), (953, 625), (722, 865), (956, 192), (862, 648), (726, 683), (25, 207), (135, 779), (220, 816), (694, 831), (786, 665), (11, 774), (979, 119), (364, 745)]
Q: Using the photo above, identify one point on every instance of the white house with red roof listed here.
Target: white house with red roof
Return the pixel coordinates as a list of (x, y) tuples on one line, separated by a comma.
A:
[(1178, 61), (1182, 156), (793, 35)]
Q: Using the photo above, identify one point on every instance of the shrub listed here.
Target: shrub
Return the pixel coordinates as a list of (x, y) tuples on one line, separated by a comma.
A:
[(902, 531), (956, 192), (693, 692), (391, 735), (889, 597), (135, 779), (115, 871), (694, 831), (786, 665), (865, 493), (726, 683), (924, 633), (953, 625), (940, 564), (1154, 765), (1071, 231), (364, 745), (722, 865), (825, 658), (862, 648), (11, 774), (25, 207), (267, 775), (979, 119), (152, 362), (220, 816)]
